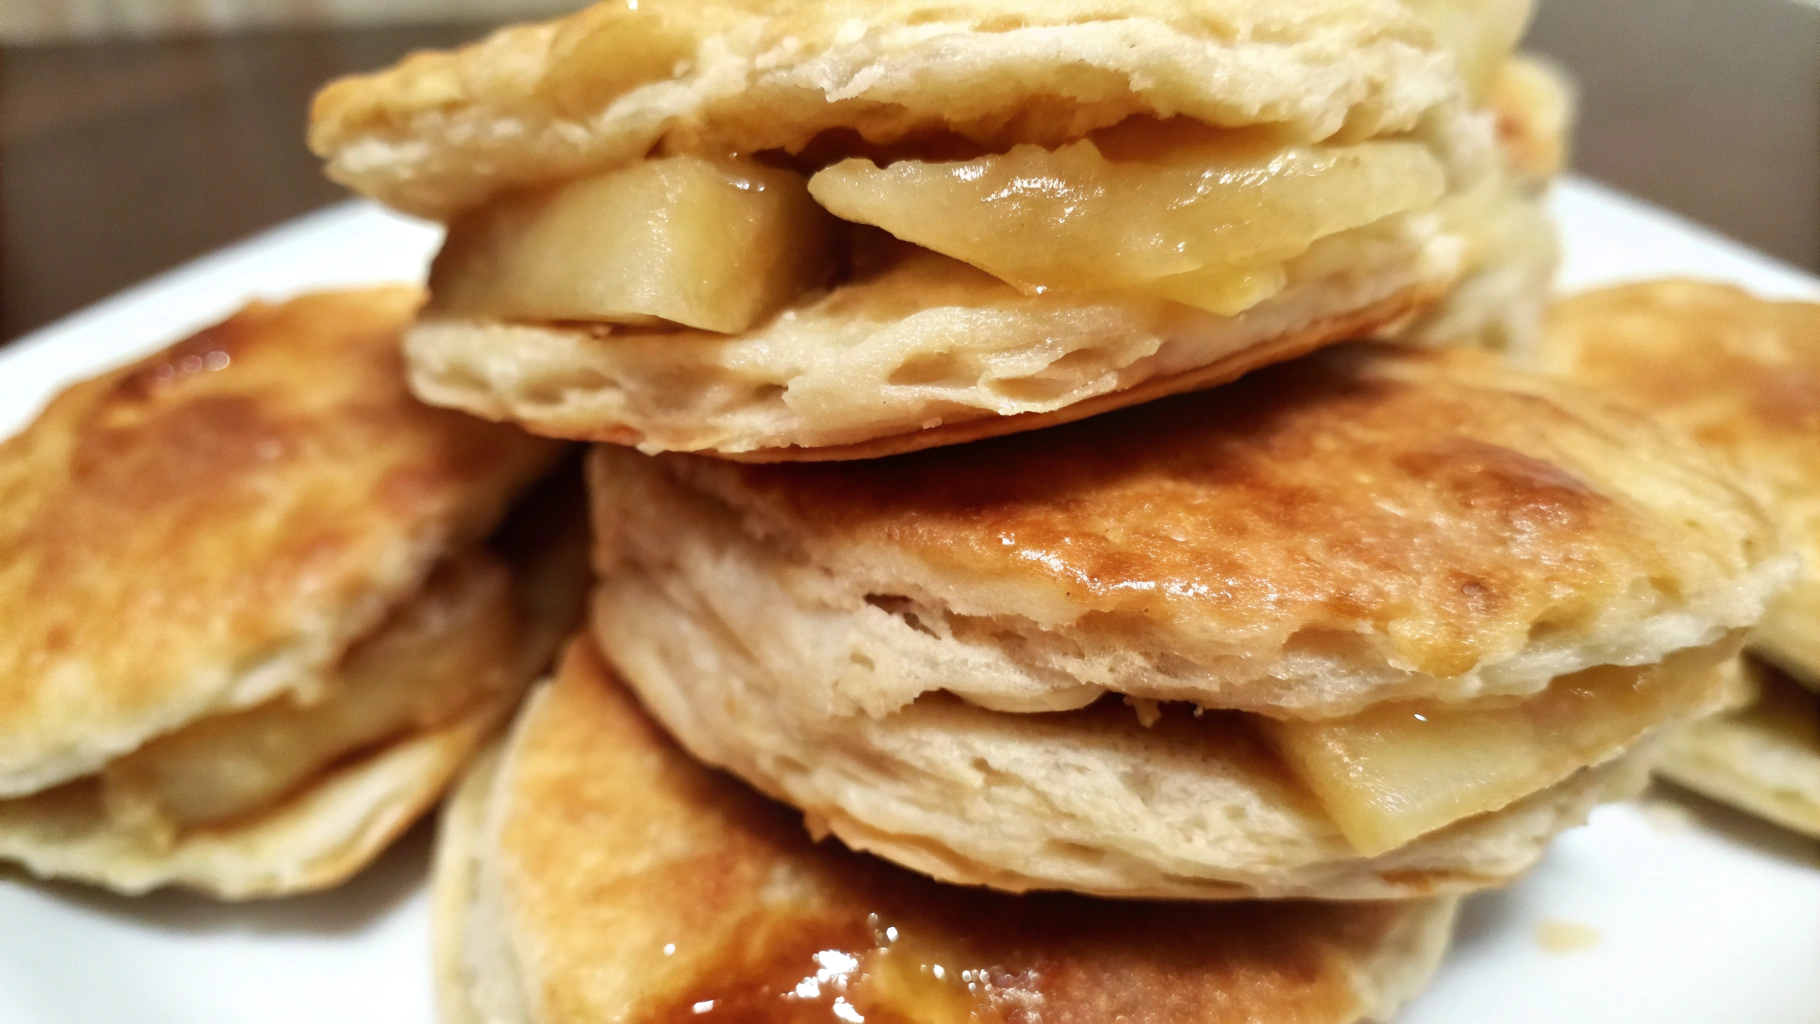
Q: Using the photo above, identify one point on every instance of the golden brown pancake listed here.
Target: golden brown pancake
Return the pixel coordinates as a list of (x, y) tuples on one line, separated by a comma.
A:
[(254, 618), (1739, 374), (1331, 166), (591, 871), (1199, 647)]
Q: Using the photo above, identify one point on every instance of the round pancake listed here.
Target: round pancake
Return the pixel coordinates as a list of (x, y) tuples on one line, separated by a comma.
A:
[(593, 872), (1763, 759), (1739, 374), (213, 526), (298, 793), (1365, 524), (925, 653), (533, 104)]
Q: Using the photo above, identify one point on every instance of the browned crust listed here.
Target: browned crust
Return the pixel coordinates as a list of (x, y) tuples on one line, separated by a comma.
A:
[(258, 493)]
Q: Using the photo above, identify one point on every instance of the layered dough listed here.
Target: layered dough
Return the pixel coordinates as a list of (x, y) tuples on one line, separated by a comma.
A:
[(590, 870), (299, 792), (1189, 807), (1105, 214), (450, 648), (258, 613), (315, 838), (1319, 590)]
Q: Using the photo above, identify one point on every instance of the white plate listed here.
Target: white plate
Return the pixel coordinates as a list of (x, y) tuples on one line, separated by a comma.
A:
[(1696, 916)]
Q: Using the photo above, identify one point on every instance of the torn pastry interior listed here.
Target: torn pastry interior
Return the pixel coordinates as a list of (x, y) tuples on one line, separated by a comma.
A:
[(589, 870), (806, 230), (261, 605), (1741, 376), (1372, 623)]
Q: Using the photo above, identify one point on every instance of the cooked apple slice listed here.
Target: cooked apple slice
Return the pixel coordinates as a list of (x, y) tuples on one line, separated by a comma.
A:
[(1400, 770), (1200, 216), (713, 244), (448, 649)]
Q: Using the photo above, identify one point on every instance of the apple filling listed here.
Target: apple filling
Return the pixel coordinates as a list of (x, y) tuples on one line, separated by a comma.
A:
[(1171, 210), (453, 646), (712, 244), (1404, 769), (1198, 216)]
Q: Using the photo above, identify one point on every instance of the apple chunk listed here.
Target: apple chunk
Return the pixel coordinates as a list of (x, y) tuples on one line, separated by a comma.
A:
[(447, 650), (1400, 770), (1184, 212), (712, 244)]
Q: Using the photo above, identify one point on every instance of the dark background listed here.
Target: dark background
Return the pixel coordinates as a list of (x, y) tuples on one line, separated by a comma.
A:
[(119, 160)]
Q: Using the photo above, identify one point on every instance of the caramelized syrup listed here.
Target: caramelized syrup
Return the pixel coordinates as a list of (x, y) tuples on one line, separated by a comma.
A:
[(899, 949)]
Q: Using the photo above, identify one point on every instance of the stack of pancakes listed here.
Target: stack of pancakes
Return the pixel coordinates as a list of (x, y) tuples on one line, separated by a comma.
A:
[(970, 490), (1049, 447), (971, 486)]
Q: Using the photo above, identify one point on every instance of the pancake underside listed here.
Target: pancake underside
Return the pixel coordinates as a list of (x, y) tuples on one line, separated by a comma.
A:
[(929, 352), (453, 885), (1749, 768)]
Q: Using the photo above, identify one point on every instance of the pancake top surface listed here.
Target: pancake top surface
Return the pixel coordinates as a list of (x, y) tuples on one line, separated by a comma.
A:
[(640, 885), (442, 131), (1434, 507), (216, 522), (1738, 373)]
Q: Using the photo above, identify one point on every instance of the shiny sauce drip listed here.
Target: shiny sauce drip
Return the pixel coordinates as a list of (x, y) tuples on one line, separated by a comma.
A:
[(843, 969), (884, 946)]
